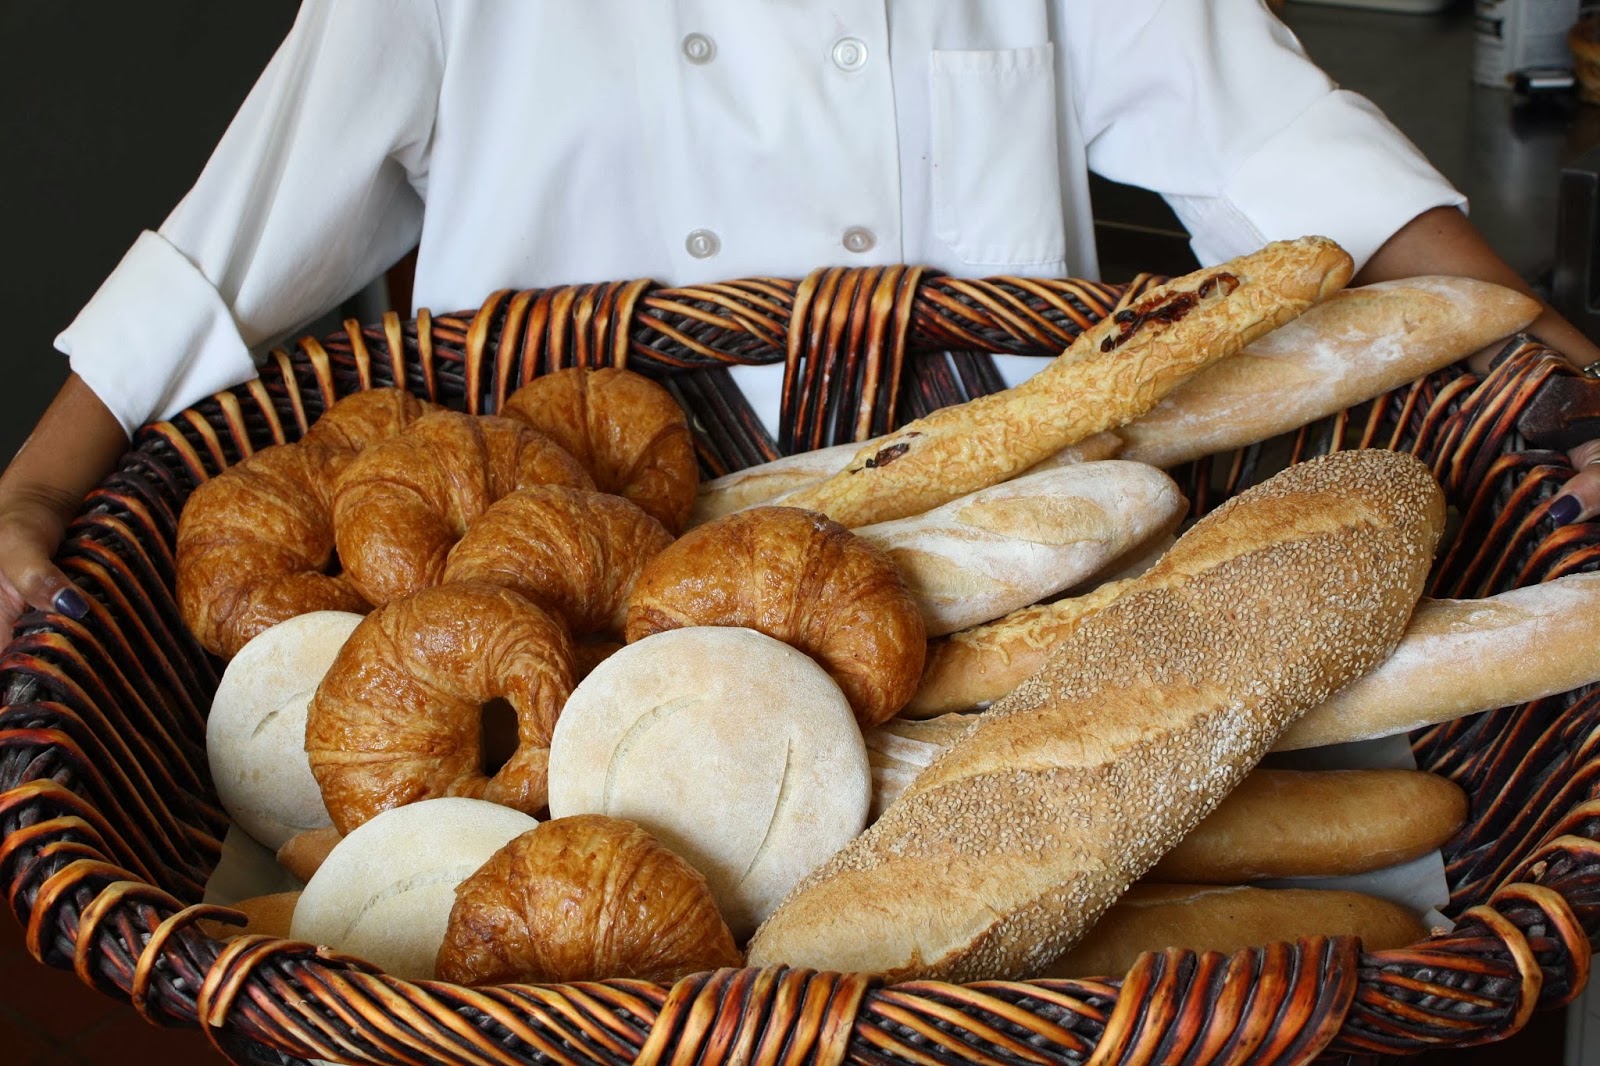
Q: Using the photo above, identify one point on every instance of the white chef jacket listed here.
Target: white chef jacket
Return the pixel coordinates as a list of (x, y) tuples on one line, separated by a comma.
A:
[(525, 143)]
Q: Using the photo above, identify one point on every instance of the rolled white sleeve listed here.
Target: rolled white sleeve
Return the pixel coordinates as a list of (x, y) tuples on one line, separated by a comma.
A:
[(311, 193), (1214, 105)]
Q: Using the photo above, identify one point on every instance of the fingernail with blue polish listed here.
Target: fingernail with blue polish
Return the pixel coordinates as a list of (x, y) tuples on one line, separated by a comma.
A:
[(1565, 510), (71, 603)]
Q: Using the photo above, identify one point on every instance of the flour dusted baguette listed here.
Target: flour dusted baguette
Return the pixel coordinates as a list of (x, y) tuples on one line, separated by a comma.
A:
[(1277, 823), (1114, 371), (1230, 919), (1353, 346), (1004, 547), (1459, 657), (1003, 852), (771, 482)]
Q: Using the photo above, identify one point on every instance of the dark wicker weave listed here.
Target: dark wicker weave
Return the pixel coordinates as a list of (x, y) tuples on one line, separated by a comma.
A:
[(111, 827)]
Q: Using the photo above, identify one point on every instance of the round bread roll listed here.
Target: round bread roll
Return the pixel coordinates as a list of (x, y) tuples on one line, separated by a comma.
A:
[(399, 716), (384, 893), (627, 431), (735, 750), (574, 552), (402, 505), (584, 899), (256, 733), (803, 579)]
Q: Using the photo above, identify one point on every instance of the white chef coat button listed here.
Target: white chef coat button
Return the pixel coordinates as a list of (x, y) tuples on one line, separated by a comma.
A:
[(699, 49), (850, 54), (703, 244), (859, 239)]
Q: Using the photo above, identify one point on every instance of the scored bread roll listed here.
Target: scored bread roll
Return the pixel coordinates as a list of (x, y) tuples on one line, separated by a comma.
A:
[(1003, 852), (384, 893), (733, 749), (1230, 919), (1460, 657), (1114, 371), (1317, 823), (1353, 346), (1004, 547)]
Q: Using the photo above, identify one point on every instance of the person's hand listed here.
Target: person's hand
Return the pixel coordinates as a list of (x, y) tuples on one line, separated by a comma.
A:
[(31, 527), (1579, 499), (75, 445)]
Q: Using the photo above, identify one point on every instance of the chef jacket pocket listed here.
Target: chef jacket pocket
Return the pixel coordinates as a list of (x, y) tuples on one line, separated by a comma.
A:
[(996, 174)]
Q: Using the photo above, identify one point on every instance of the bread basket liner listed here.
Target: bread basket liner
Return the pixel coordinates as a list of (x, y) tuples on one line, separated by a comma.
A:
[(111, 828)]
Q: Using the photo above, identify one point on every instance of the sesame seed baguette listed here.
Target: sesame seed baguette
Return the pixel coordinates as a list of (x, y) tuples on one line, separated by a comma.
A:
[(1001, 548), (1349, 348), (1230, 919), (1113, 372), (1008, 847)]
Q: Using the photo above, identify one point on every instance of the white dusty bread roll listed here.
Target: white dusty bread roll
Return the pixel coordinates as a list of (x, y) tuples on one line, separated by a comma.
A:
[(1229, 919), (385, 891), (256, 732), (1004, 851), (1113, 372), (1355, 345), (735, 750), (1460, 657), (1004, 547)]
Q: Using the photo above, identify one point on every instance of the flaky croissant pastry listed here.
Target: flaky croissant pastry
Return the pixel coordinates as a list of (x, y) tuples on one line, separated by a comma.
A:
[(583, 899)]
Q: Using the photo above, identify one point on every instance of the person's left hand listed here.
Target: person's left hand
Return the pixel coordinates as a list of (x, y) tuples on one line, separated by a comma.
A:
[(1579, 499)]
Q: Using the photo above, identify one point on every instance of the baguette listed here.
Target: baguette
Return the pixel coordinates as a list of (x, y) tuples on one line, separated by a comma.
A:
[(1230, 919), (1001, 548), (1003, 852), (1460, 657), (1355, 345), (1277, 823), (772, 482), (1113, 372)]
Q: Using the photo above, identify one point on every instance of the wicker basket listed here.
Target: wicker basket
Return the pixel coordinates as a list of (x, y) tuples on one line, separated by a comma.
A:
[(111, 827)]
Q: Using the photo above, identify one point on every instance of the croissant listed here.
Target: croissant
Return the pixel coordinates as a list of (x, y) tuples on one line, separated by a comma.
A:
[(572, 551), (365, 418), (401, 505), (800, 578), (583, 899), (627, 431), (398, 717)]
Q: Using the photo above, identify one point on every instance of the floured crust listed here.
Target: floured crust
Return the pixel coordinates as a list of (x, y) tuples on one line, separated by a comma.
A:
[(1008, 847), (1113, 372)]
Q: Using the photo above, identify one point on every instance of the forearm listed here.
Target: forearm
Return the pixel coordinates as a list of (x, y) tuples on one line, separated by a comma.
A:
[(1443, 241), (75, 445)]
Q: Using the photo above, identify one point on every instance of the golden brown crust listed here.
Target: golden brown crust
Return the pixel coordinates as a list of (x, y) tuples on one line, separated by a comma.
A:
[(1000, 855), (1230, 919), (304, 852), (401, 505), (799, 578), (365, 418), (627, 431), (254, 543), (1112, 373), (585, 898), (572, 551), (1308, 823), (398, 718), (264, 916)]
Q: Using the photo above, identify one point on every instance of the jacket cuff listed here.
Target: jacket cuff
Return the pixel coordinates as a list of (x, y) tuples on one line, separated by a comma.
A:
[(1340, 170), (156, 337)]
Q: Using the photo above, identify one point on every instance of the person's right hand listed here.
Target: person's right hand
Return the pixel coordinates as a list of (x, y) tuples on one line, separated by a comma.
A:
[(75, 445)]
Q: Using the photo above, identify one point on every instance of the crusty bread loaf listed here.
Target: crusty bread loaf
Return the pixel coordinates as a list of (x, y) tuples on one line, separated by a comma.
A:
[(1005, 850), (1459, 657), (772, 482), (1346, 350), (1113, 372), (1277, 823), (269, 915), (1316, 823), (304, 853), (1230, 919), (1004, 547)]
